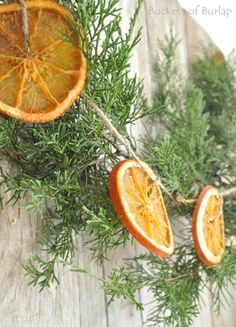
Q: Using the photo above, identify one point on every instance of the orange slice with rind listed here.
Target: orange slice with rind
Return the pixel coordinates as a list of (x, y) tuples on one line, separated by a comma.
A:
[(40, 84), (208, 227), (138, 200)]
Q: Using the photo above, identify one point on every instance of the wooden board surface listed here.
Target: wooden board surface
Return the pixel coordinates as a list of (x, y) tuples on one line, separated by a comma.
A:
[(78, 301)]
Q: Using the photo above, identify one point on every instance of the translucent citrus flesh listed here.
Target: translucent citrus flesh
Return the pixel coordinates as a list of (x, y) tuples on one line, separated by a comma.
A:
[(213, 226), (143, 199), (39, 80)]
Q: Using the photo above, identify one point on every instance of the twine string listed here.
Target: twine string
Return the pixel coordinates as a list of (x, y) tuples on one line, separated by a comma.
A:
[(107, 122), (112, 128), (122, 140), (228, 192), (98, 111), (25, 24)]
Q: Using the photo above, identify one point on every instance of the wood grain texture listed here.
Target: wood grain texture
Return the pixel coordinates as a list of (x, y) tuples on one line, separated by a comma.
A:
[(79, 301)]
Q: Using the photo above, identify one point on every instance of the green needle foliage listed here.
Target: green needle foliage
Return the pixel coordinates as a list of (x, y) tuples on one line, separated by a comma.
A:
[(196, 144), (181, 152), (64, 165), (193, 148), (175, 284)]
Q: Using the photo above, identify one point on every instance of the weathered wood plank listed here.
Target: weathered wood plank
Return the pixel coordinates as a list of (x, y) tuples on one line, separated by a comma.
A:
[(121, 313), (197, 40), (77, 301), (92, 304), (227, 315)]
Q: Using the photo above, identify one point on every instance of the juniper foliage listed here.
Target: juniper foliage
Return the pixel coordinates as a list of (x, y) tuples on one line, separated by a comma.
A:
[(193, 148), (64, 165), (175, 284)]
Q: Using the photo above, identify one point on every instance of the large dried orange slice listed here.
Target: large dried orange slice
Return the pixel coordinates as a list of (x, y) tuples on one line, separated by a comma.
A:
[(41, 84), (138, 200), (208, 227)]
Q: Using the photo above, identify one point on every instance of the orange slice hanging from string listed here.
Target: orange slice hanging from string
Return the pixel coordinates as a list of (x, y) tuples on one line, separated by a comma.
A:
[(138, 200), (208, 227), (41, 84)]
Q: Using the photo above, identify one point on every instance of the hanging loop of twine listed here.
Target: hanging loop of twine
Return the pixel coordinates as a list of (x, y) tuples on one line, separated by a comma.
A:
[(25, 24)]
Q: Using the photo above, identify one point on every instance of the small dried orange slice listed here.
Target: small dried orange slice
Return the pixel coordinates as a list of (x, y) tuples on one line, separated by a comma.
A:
[(208, 227), (41, 84), (138, 200)]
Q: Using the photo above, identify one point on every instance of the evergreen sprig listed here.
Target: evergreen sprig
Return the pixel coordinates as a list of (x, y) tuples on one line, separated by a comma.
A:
[(175, 284), (180, 153), (182, 157), (188, 154), (64, 165)]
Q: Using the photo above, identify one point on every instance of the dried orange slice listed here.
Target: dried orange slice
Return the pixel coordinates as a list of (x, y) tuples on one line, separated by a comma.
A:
[(41, 84), (140, 204), (208, 227)]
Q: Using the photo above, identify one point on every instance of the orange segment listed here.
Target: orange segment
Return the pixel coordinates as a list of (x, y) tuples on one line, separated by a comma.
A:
[(8, 64), (33, 18), (7, 47), (34, 97), (208, 227), (11, 26), (138, 200), (212, 225), (41, 84), (58, 51), (62, 81), (57, 30), (9, 86)]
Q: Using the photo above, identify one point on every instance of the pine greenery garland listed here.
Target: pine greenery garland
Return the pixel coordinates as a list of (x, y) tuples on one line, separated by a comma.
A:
[(64, 166), (196, 147)]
